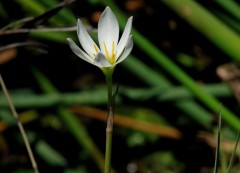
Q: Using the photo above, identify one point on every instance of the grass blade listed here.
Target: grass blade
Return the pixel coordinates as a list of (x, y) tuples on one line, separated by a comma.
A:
[(233, 154), (216, 164)]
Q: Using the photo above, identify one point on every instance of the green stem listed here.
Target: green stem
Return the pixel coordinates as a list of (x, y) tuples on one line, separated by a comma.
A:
[(109, 129), (108, 152), (108, 76)]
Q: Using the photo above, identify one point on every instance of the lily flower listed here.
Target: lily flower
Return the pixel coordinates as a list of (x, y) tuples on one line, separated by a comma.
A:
[(111, 50)]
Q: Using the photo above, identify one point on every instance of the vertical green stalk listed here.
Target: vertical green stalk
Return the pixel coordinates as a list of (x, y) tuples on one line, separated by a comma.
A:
[(108, 151), (109, 130), (108, 76)]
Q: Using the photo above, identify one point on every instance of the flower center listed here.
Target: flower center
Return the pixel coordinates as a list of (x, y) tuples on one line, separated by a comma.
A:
[(110, 57)]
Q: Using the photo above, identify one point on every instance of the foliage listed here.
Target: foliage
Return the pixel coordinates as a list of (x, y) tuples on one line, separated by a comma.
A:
[(169, 90)]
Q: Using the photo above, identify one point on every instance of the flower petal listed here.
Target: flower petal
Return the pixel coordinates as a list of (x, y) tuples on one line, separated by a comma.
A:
[(125, 36), (108, 31), (101, 61), (86, 41), (81, 54), (127, 50)]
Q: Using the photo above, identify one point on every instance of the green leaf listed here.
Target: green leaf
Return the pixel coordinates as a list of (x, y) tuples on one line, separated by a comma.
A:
[(49, 154), (80, 169)]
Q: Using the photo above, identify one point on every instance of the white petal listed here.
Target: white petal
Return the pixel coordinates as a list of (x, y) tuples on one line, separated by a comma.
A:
[(101, 61), (85, 39), (127, 50), (81, 54), (124, 37), (108, 30)]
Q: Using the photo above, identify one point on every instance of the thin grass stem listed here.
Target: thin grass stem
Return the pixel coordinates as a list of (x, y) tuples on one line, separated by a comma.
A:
[(22, 131), (216, 164)]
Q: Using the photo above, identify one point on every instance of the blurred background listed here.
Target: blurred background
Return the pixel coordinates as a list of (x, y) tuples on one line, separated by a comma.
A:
[(182, 74)]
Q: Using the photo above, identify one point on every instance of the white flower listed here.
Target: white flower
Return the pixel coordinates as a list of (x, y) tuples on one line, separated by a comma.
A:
[(111, 50)]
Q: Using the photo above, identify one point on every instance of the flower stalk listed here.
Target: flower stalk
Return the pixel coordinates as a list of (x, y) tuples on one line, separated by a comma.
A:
[(109, 128)]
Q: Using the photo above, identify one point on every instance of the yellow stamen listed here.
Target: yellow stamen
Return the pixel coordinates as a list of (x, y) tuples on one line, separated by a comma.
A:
[(105, 48), (96, 48), (111, 58), (113, 54)]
